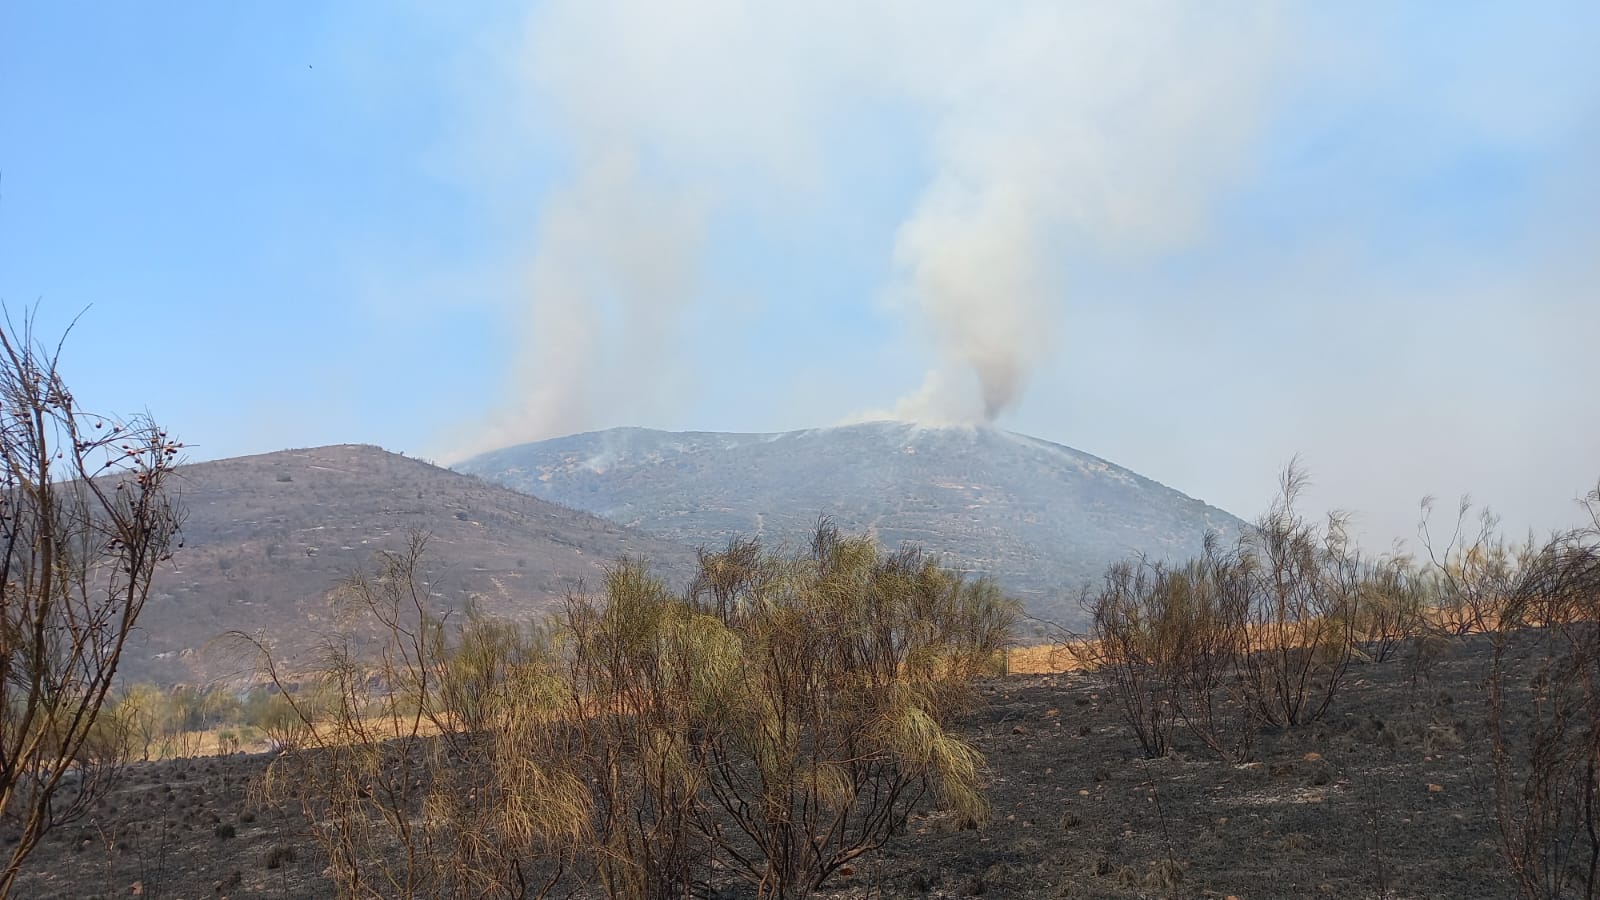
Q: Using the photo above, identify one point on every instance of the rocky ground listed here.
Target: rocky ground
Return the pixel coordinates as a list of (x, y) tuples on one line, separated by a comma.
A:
[(1388, 797)]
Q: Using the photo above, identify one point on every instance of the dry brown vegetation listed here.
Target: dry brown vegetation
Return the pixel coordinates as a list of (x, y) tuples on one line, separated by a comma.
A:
[(1435, 764), (84, 521), (1263, 635), (1259, 634), (780, 719), (792, 717)]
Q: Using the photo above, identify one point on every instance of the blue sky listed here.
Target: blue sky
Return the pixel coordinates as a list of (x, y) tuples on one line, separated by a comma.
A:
[(1193, 242)]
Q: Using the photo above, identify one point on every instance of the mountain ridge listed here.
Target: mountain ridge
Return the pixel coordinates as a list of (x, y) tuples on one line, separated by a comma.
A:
[(269, 535), (1043, 518)]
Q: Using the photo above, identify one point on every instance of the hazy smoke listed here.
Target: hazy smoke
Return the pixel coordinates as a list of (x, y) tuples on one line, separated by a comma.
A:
[(1047, 131), (980, 279), (1064, 130)]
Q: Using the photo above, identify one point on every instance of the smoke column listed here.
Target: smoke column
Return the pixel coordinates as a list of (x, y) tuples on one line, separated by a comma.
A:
[(1048, 130)]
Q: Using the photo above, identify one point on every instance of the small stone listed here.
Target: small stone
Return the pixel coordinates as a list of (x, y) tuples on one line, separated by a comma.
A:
[(1435, 788)]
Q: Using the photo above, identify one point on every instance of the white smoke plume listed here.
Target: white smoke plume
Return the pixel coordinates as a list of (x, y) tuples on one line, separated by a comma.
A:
[(1070, 128), (615, 267), (1048, 130)]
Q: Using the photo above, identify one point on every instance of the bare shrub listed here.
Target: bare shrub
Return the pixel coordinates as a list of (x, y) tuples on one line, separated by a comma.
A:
[(1212, 696), (1167, 645), (85, 519), (1260, 632), (1134, 651), (1474, 570), (1298, 588), (1391, 608), (1544, 718), (404, 800)]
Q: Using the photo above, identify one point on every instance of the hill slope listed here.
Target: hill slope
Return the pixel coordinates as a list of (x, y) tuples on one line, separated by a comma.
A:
[(267, 536), (1042, 518)]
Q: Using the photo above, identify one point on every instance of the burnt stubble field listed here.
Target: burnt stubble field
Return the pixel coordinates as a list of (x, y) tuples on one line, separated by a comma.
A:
[(1389, 796)]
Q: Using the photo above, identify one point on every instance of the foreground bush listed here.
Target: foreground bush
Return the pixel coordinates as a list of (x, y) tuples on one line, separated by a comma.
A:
[(1261, 632), (85, 520), (1169, 652), (1297, 586), (1544, 699), (780, 718), (851, 665), (405, 801)]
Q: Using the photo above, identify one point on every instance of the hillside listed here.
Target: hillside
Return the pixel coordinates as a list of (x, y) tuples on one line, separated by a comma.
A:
[(1042, 518), (268, 535)]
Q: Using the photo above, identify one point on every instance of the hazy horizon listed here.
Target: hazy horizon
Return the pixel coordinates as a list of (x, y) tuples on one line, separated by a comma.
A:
[(1194, 245)]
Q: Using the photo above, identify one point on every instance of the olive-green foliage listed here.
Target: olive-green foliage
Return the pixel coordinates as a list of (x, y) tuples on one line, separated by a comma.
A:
[(836, 674), (169, 722), (270, 711), (784, 717), (641, 666), (778, 719)]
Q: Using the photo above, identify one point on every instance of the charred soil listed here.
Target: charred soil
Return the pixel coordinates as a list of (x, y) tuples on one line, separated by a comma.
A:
[(1389, 796)]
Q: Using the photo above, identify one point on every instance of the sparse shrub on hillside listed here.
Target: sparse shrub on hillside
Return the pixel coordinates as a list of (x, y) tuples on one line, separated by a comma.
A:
[(84, 522)]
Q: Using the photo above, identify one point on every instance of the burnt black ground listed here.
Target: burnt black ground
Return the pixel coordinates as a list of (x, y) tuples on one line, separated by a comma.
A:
[(1342, 808)]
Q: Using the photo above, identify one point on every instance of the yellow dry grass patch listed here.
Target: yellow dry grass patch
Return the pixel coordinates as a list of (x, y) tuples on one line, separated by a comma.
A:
[(1050, 659), (1081, 655)]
